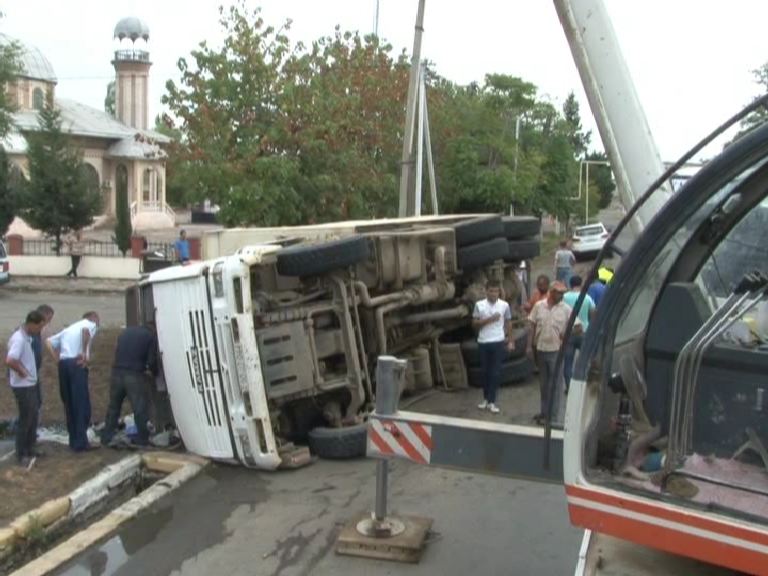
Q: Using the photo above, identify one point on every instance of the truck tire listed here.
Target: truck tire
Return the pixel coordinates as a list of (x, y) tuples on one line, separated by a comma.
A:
[(518, 250), (476, 255), (516, 227), (339, 443), (512, 372), (469, 348), (478, 230), (314, 259)]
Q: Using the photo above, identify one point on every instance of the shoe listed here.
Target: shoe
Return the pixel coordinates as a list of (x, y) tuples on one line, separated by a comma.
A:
[(483, 405), (493, 408)]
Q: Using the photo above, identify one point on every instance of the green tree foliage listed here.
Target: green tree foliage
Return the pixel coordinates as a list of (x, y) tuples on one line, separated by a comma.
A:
[(57, 198), (123, 228), (279, 134), (601, 179), (8, 195), (110, 98), (9, 69), (760, 115)]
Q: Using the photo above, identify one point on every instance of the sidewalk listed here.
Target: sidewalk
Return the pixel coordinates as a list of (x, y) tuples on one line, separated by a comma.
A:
[(64, 284)]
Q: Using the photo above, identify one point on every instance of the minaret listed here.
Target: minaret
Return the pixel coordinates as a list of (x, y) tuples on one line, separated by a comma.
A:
[(132, 73)]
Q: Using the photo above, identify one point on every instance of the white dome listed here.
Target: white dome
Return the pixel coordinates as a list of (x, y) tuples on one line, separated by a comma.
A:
[(34, 64), (132, 28)]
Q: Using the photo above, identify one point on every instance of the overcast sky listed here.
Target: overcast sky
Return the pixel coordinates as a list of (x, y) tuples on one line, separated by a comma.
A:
[(691, 60)]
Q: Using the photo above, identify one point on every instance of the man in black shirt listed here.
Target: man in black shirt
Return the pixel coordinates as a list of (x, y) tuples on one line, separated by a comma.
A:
[(136, 353)]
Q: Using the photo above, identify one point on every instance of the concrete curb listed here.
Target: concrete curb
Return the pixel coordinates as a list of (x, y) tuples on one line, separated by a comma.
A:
[(57, 285), (180, 468)]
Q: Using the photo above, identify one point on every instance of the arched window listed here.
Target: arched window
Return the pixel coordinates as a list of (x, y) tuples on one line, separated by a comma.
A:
[(93, 183), (38, 99)]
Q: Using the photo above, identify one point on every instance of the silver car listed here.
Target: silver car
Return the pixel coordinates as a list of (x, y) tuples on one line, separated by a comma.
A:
[(588, 240), (5, 274)]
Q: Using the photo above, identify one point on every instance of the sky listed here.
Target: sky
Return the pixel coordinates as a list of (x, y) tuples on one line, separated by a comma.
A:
[(691, 60)]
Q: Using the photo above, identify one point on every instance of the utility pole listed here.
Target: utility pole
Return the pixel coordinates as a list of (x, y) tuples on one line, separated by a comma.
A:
[(407, 205), (376, 21)]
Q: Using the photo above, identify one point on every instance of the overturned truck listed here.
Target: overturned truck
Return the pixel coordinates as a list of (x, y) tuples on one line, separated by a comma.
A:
[(272, 339)]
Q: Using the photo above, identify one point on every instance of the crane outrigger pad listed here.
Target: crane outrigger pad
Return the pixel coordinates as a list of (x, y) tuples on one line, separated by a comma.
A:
[(405, 546)]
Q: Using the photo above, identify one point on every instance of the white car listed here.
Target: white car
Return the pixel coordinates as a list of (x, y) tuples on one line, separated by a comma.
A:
[(5, 274), (588, 239)]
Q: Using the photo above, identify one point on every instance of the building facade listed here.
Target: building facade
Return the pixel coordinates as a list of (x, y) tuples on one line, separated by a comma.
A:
[(121, 154)]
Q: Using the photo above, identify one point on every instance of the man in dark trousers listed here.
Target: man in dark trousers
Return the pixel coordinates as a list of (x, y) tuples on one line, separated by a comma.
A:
[(72, 350), (22, 373), (37, 348), (136, 353)]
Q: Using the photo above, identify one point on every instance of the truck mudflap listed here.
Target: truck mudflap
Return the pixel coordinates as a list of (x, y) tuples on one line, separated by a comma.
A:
[(602, 555)]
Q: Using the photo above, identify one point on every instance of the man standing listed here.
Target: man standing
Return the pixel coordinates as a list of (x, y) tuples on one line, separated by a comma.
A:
[(181, 246), (134, 355), (492, 318), (548, 320), (75, 245), (72, 349), (541, 292), (37, 348), (585, 314), (564, 261), (22, 371)]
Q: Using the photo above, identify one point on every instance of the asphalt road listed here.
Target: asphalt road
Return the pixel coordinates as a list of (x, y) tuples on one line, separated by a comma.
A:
[(233, 521), (69, 307)]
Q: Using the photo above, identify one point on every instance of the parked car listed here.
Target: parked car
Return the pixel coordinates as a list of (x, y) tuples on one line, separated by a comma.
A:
[(588, 240), (5, 273)]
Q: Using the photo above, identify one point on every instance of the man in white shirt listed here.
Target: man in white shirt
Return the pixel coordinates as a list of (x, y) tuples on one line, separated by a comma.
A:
[(22, 371), (72, 350), (492, 318)]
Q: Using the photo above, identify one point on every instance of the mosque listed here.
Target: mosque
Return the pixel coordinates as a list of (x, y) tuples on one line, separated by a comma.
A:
[(122, 155)]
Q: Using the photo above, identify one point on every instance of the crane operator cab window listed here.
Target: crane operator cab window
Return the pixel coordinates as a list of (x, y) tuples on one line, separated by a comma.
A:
[(676, 368)]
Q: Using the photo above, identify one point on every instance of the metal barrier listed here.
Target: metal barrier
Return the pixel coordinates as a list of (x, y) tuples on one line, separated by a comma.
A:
[(432, 440)]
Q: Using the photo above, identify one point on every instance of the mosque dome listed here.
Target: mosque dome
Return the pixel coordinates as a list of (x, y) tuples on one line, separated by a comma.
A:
[(34, 64), (132, 28)]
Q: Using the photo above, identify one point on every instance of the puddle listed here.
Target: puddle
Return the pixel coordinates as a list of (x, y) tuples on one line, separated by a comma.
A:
[(109, 557)]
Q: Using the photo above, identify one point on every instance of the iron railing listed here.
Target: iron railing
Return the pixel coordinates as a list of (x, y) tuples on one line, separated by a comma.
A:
[(46, 247)]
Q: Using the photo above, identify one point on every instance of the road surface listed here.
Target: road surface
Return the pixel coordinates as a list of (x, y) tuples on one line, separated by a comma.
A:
[(233, 521)]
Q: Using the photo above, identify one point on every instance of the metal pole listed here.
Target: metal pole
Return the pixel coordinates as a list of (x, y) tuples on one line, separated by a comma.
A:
[(390, 372), (430, 163), (376, 21), (514, 173), (586, 195), (418, 182), (406, 207)]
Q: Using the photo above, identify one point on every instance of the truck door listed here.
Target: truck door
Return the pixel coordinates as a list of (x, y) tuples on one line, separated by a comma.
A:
[(186, 332)]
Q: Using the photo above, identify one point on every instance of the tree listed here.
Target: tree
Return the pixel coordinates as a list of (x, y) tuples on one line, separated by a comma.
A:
[(9, 70), (601, 179), (228, 110), (760, 115), (110, 99), (57, 198), (8, 195), (123, 228), (578, 138)]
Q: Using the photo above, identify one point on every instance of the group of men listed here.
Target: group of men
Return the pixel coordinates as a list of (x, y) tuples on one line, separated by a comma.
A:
[(135, 355), (549, 309)]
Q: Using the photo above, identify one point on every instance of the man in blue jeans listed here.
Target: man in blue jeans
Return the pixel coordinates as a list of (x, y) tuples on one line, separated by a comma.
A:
[(585, 314), (492, 319)]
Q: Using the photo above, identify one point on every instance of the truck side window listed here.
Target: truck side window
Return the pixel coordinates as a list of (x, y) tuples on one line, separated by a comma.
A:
[(218, 281)]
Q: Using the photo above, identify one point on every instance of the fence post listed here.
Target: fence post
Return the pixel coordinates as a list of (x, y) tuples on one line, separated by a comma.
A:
[(195, 249), (137, 246), (15, 245)]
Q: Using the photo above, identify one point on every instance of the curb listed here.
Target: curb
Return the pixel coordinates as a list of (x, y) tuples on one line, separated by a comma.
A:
[(57, 286), (180, 469)]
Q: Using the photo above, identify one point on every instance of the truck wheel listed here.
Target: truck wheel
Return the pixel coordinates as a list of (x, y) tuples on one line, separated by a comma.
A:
[(477, 255), (478, 230), (516, 227), (471, 351), (512, 372), (311, 260), (522, 250), (339, 443)]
